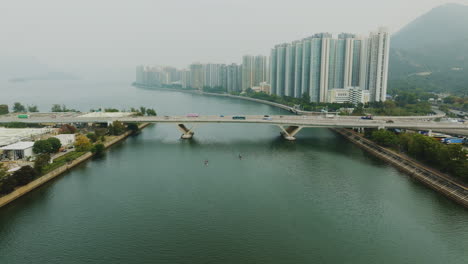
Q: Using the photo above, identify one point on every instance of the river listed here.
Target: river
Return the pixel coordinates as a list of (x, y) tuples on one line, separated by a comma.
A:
[(151, 199)]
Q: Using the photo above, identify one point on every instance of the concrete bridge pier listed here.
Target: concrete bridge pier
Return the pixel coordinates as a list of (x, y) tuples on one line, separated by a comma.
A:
[(289, 132), (186, 133)]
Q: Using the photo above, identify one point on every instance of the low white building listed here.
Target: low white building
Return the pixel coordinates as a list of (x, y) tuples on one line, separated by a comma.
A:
[(263, 87), (17, 151), (66, 139), (338, 96), (354, 95)]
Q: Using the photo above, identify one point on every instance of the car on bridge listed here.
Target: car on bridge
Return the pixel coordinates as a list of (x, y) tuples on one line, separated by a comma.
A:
[(268, 118), (367, 117), (238, 117), (193, 115)]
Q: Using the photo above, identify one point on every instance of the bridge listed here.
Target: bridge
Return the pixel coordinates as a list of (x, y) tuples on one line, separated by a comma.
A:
[(289, 125)]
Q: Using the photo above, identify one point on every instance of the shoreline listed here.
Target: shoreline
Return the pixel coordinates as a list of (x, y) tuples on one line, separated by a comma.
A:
[(434, 179), (23, 190), (281, 106)]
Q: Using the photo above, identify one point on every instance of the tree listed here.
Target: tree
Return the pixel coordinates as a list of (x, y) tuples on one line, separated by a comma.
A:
[(3, 171), (24, 175), (55, 144), (67, 129), (7, 184), (305, 98), (61, 108), (151, 112), (83, 144), (40, 162), (33, 108), (143, 110), (117, 128), (18, 107), (98, 149), (92, 136), (359, 110), (100, 132), (4, 109), (111, 110), (56, 108), (42, 146), (385, 138), (133, 127)]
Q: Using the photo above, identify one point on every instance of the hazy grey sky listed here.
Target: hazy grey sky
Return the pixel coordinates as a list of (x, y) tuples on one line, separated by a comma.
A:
[(115, 33)]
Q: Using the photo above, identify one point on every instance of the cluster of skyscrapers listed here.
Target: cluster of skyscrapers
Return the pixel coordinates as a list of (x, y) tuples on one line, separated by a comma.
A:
[(327, 69), (320, 63), (232, 77)]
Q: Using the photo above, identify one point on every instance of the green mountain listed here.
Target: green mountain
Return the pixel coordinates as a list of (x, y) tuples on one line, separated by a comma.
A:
[(431, 52)]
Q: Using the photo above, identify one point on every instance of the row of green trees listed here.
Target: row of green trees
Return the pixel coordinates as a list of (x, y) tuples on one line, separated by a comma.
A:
[(216, 89), (23, 176), (18, 108), (393, 108), (451, 159), (303, 102), (141, 111), (61, 108), (20, 177)]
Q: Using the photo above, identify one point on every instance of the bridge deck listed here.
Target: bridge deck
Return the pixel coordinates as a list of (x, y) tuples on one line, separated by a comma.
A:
[(286, 120)]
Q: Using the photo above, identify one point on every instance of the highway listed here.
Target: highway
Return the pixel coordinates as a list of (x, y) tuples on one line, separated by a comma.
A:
[(329, 121)]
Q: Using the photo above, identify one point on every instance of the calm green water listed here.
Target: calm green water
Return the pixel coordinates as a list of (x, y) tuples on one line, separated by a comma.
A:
[(152, 200)]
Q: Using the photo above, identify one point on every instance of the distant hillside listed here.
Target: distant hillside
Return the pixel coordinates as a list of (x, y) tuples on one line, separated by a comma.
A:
[(18, 66), (25, 68), (441, 26), (433, 51)]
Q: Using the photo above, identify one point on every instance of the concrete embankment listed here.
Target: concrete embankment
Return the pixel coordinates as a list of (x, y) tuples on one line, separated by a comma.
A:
[(20, 191), (436, 180)]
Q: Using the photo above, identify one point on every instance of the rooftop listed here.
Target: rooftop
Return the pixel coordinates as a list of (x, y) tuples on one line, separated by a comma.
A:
[(13, 135), (19, 146)]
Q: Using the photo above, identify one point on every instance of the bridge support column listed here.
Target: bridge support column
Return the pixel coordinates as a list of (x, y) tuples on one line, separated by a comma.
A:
[(289, 132), (186, 133)]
